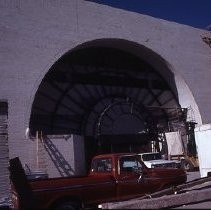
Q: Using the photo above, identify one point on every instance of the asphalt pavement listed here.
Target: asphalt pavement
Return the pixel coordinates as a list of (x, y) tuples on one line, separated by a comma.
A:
[(193, 175), (203, 205)]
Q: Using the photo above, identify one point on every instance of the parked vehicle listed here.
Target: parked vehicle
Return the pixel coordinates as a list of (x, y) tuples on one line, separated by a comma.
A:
[(112, 177), (154, 160)]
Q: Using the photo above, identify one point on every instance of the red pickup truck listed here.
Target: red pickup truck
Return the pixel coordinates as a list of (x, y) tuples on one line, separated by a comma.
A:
[(112, 177)]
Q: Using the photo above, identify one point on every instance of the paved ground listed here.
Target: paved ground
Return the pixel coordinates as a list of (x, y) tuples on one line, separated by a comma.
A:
[(193, 175), (203, 205)]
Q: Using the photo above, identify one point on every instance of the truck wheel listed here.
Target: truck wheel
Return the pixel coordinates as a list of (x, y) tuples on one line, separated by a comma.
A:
[(67, 206)]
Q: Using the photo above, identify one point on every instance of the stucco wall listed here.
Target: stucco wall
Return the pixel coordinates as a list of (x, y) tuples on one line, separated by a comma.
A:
[(34, 34)]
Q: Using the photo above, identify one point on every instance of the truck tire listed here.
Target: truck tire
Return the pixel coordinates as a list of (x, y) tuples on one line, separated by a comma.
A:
[(68, 205)]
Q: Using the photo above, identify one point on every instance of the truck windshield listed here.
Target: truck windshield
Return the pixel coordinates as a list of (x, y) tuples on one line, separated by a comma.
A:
[(101, 165), (153, 156)]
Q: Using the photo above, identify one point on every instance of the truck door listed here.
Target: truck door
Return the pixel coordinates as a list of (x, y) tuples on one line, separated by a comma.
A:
[(130, 181), (102, 185)]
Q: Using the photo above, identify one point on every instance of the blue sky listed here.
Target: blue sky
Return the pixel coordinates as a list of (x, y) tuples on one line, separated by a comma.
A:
[(196, 13)]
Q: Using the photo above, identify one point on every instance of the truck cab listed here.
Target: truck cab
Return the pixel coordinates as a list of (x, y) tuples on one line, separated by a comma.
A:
[(133, 178)]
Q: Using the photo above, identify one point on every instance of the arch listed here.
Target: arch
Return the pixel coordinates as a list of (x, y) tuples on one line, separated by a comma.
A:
[(89, 78)]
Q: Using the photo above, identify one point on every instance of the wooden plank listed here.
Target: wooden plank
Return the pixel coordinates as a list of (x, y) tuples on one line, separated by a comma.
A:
[(166, 198), (167, 201)]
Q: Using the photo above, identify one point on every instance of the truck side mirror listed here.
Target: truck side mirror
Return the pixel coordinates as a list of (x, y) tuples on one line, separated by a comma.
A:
[(137, 169)]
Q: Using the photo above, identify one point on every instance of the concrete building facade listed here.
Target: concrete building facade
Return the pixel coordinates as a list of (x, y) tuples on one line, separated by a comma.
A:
[(37, 37)]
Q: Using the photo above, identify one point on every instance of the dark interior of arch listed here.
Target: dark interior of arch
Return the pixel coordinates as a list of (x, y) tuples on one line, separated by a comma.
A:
[(103, 91)]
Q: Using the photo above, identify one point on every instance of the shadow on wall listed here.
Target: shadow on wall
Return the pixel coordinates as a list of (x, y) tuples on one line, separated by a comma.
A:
[(58, 159)]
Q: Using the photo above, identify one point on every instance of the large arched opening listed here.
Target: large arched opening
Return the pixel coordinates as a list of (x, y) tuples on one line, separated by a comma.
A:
[(117, 95)]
